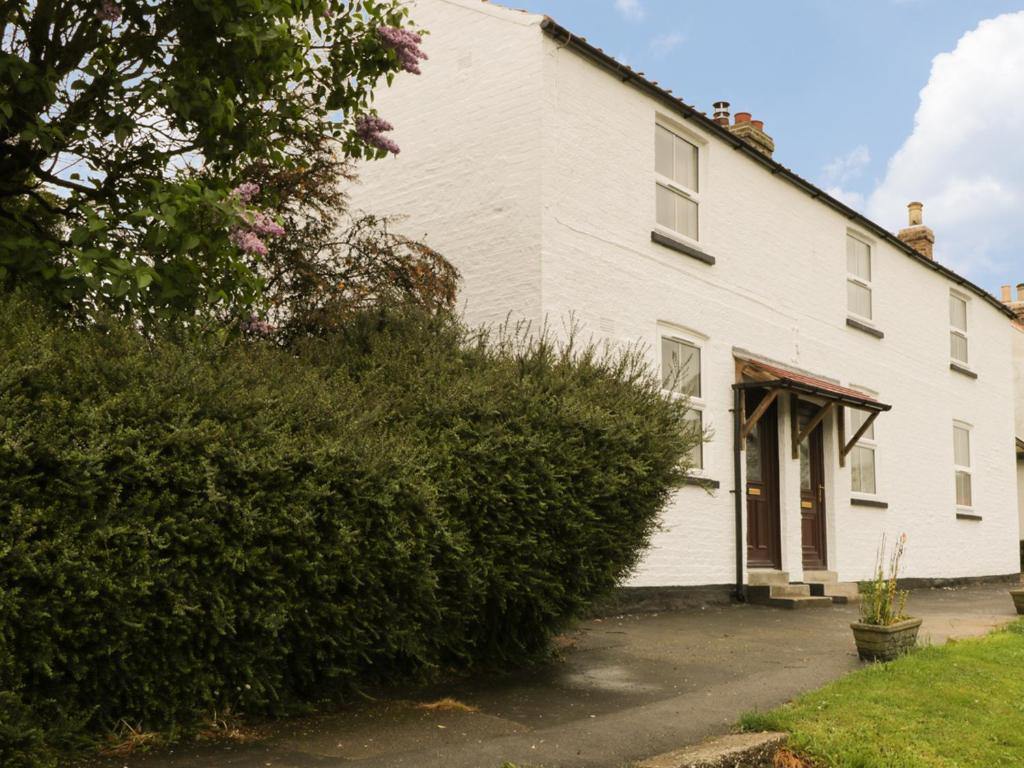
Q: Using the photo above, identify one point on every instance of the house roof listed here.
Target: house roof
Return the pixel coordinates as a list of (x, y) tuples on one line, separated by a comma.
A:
[(580, 45)]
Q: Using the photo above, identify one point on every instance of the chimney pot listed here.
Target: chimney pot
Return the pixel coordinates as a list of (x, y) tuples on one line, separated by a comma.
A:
[(743, 117), (1020, 291), (914, 213), (759, 124), (917, 235), (1007, 294), (722, 113)]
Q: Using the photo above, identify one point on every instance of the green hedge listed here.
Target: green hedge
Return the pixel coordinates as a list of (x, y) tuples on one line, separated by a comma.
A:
[(190, 526)]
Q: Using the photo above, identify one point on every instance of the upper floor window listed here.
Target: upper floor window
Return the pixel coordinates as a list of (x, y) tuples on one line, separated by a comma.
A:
[(862, 457), (676, 167), (858, 277), (958, 328), (681, 375), (962, 464)]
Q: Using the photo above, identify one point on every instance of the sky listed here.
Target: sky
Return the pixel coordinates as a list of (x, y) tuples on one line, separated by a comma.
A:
[(879, 102)]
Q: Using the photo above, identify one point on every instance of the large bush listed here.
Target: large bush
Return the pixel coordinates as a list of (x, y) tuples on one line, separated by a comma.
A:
[(190, 526)]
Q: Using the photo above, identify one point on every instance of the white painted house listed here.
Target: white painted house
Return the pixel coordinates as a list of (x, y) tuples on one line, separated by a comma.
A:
[(561, 183)]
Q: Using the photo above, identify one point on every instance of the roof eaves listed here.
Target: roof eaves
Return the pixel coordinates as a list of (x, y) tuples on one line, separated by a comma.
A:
[(580, 45)]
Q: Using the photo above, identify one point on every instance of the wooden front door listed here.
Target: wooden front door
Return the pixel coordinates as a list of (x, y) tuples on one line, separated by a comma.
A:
[(812, 491), (763, 548)]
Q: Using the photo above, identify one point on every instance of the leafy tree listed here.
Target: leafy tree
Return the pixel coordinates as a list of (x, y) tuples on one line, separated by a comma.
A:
[(125, 127)]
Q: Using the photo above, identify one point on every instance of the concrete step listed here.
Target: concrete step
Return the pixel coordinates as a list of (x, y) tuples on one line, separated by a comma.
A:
[(790, 590), (761, 577), (821, 577), (807, 601), (840, 592)]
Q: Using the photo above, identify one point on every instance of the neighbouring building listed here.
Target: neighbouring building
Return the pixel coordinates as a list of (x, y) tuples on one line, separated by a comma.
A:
[(852, 385), (1016, 305)]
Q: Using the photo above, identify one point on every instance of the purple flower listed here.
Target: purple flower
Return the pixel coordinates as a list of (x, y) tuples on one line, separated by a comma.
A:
[(370, 129), (264, 225), (249, 242), (406, 45), (108, 11), (246, 191)]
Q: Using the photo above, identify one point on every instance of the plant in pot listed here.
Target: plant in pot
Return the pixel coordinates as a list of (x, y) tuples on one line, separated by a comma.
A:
[(884, 632)]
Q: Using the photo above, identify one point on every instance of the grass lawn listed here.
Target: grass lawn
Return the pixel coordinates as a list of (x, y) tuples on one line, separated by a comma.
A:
[(960, 705)]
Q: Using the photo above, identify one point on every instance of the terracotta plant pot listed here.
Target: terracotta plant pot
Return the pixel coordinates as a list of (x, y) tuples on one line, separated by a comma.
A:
[(876, 643), (1018, 599)]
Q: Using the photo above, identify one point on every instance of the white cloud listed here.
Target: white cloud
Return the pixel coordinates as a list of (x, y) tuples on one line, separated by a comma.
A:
[(663, 44), (964, 158), (848, 167), (631, 9)]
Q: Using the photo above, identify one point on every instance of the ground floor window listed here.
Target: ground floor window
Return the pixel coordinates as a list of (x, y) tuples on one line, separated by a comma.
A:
[(962, 464), (682, 376), (863, 455)]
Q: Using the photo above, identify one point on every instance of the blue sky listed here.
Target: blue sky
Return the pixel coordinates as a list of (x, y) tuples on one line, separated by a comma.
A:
[(840, 88)]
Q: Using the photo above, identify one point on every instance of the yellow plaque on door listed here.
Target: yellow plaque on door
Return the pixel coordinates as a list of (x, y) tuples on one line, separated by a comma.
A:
[(807, 504), (753, 491)]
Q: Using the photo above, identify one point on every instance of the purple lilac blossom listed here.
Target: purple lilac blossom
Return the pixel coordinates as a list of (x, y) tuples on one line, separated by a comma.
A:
[(262, 224), (406, 45), (370, 130), (246, 191), (249, 242)]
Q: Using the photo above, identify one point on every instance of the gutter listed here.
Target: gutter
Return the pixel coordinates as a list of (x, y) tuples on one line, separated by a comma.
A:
[(564, 37)]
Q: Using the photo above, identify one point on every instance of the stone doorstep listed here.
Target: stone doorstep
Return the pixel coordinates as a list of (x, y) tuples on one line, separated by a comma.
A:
[(762, 577), (840, 592), (749, 750), (821, 577)]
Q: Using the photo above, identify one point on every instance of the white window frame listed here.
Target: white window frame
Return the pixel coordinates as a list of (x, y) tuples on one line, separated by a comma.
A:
[(870, 443), (698, 404), (693, 195), (963, 333), (858, 280), (966, 468)]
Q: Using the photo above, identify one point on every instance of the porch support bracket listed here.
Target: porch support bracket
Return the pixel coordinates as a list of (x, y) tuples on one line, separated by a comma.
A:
[(814, 422), (845, 449), (750, 423)]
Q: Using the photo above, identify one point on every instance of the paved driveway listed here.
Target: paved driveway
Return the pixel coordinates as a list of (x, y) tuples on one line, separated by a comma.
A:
[(626, 688)]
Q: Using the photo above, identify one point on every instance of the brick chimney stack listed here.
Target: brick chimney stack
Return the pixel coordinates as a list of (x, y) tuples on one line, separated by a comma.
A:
[(917, 235), (750, 131), (1016, 305)]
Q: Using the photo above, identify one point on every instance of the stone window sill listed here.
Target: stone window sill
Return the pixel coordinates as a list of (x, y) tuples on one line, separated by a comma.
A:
[(681, 247), (963, 371), (967, 516), (869, 503), (870, 330), (703, 482)]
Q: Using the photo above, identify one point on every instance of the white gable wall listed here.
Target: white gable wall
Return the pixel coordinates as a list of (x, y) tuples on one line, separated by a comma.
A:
[(467, 179)]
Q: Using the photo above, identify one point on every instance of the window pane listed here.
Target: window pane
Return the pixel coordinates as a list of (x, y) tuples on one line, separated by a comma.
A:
[(754, 456), (858, 258), (680, 367), (958, 313), (663, 151), (862, 463), (963, 489), (858, 417), (686, 216), (686, 164), (958, 346), (858, 299), (666, 208), (961, 447), (695, 421)]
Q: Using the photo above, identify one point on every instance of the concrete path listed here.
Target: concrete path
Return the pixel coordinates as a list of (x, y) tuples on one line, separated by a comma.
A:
[(626, 688)]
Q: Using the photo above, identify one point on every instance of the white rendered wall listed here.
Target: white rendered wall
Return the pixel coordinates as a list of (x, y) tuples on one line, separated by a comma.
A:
[(1018, 373), (533, 171), (778, 289), (467, 179)]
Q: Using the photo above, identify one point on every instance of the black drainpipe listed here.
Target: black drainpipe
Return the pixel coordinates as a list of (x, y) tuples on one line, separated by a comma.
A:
[(737, 393)]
